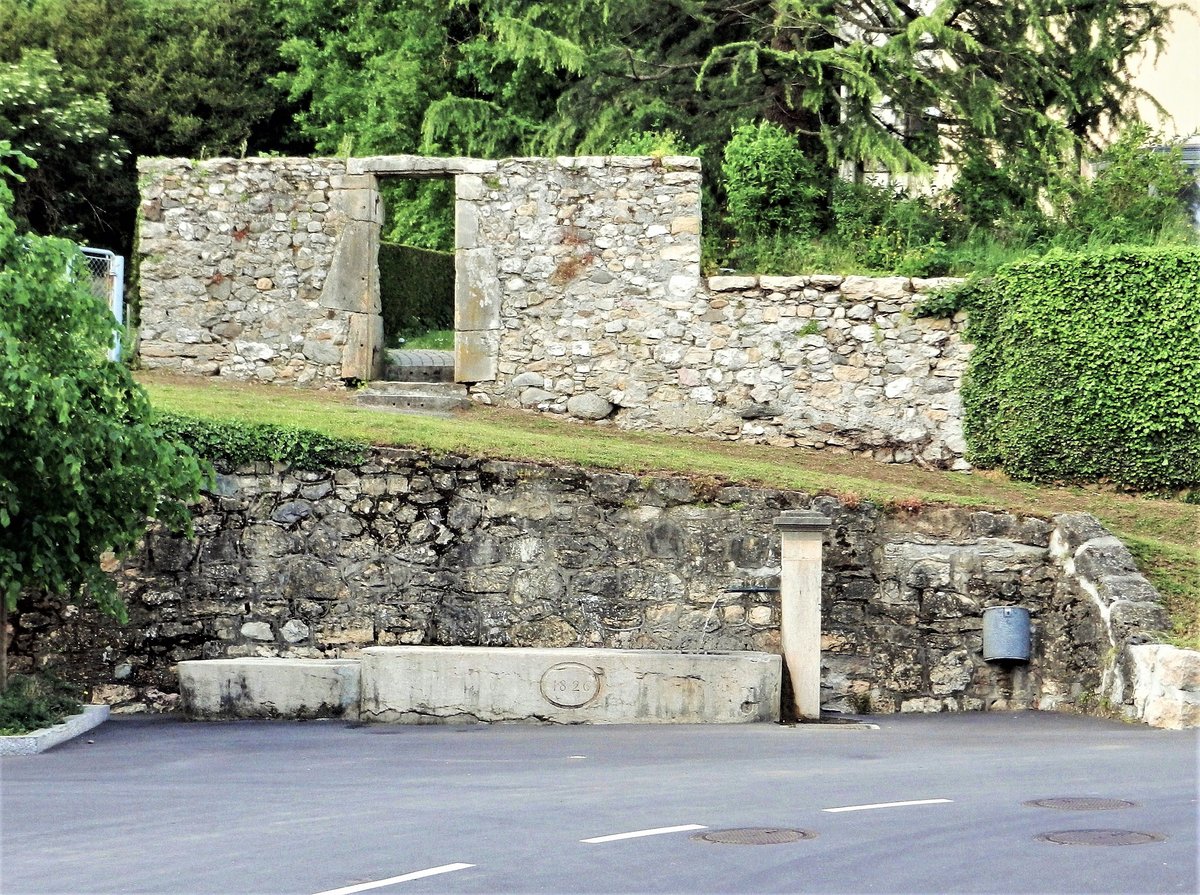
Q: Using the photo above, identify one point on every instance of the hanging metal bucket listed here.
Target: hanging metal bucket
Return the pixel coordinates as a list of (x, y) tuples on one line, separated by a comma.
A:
[(1006, 633)]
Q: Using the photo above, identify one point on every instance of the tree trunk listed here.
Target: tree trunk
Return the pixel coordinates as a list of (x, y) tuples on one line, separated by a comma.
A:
[(3, 643)]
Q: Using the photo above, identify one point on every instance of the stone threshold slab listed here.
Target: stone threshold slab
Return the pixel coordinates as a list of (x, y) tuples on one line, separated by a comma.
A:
[(49, 737)]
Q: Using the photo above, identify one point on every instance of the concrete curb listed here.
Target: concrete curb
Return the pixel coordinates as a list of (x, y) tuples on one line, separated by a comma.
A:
[(49, 737)]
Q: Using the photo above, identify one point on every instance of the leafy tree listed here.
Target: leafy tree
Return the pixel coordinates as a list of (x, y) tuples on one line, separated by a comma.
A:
[(65, 131), (81, 464), (872, 82), (177, 77)]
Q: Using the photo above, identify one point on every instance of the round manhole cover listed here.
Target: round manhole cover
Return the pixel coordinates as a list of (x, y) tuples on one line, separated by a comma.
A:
[(1101, 837), (754, 836), (1073, 804)]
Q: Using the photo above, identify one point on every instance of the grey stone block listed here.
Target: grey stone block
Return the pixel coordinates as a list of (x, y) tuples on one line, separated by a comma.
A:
[(476, 290), (731, 284), (588, 407), (270, 688), (353, 280), (358, 205), (475, 356), (362, 357), (466, 225)]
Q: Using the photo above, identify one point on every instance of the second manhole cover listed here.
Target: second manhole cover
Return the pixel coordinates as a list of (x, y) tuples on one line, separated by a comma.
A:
[(754, 836), (1101, 837), (1081, 804)]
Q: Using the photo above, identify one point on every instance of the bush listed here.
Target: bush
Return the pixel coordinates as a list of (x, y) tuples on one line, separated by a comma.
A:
[(416, 290), (32, 703), (229, 443), (771, 186), (654, 143), (892, 230), (1087, 367), (1138, 196)]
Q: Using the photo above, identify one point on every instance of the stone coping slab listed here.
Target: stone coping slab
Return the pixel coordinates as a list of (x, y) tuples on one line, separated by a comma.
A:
[(450, 684), (49, 737)]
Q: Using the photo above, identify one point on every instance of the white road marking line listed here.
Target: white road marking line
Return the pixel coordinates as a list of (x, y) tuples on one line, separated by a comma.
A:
[(888, 805), (637, 834), (379, 883)]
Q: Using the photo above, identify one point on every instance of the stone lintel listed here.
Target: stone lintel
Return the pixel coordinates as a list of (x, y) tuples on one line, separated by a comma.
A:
[(802, 520), (419, 165)]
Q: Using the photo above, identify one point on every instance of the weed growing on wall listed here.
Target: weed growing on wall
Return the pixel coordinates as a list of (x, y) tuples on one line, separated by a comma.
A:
[(1087, 367)]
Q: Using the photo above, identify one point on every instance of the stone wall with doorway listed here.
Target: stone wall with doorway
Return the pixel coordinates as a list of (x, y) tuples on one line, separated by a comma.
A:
[(410, 548), (578, 291)]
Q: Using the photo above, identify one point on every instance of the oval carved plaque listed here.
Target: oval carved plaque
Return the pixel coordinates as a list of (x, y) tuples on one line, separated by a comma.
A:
[(570, 685)]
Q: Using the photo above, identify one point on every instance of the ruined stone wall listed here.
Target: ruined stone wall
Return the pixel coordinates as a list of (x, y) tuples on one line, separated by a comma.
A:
[(578, 290), (408, 548), (258, 269)]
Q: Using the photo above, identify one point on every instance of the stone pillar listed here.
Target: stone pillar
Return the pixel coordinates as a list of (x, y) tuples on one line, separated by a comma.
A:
[(802, 533)]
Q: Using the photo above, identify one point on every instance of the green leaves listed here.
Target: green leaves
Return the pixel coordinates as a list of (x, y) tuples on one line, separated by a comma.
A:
[(81, 467), (771, 185), (229, 443), (1087, 367)]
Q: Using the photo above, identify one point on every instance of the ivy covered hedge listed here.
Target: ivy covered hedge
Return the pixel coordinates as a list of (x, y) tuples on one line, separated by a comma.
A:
[(1087, 367), (229, 443), (416, 290)]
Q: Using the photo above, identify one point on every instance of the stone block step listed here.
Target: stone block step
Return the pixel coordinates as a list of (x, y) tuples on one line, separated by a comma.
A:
[(415, 397), (418, 365), (269, 688)]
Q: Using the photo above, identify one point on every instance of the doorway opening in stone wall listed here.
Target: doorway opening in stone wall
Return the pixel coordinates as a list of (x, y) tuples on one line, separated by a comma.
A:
[(416, 278)]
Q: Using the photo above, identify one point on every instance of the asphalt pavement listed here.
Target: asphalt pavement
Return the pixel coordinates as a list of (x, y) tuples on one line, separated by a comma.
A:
[(921, 804)]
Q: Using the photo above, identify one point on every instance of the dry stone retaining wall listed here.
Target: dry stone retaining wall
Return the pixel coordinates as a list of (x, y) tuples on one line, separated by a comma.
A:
[(578, 290), (408, 548)]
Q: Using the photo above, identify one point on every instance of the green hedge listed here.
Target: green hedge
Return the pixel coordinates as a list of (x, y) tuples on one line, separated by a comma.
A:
[(416, 289), (228, 443), (1087, 367)]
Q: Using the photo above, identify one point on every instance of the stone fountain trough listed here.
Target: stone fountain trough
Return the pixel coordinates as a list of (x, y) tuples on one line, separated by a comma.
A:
[(464, 684)]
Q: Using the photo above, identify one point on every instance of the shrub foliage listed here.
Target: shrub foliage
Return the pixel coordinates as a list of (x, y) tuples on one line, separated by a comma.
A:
[(771, 185), (416, 289), (81, 467), (229, 443), (1087, 366)]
